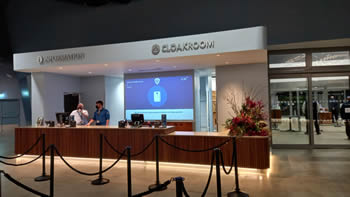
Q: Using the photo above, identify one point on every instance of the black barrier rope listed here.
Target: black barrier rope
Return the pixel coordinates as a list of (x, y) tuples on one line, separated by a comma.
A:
[(232, 160), (184, 190), (132, 155), (105, 170), (187, 150), (25, 187), (1, 171), (144, 149), (26, 152), (111, 146), (23, 164), (149, 191), (86, 173), (210, 174)]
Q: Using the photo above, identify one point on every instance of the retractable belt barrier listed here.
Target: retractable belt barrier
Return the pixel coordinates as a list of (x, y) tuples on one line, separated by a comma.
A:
[(23, 186), (217, 155), (27, 188)]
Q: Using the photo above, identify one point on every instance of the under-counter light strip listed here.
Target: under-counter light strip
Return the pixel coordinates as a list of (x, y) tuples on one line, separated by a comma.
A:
[(163, 164)]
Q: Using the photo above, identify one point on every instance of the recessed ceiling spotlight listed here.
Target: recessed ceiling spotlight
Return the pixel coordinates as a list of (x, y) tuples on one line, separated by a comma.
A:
[(227, 62), (157, 60), (175, 66), (90, 73), (105, 65), (129, 69), (218, 55), (60, 67)]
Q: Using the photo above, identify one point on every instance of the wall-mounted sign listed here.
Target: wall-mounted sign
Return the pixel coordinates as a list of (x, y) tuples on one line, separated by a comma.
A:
[(61, 58), (186, 46)]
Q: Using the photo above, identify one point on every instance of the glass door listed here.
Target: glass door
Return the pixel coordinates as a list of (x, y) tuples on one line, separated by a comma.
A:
[(289, 117), (330, 94)]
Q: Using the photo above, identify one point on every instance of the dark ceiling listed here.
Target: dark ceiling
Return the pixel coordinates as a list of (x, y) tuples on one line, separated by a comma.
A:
[(54, 24)]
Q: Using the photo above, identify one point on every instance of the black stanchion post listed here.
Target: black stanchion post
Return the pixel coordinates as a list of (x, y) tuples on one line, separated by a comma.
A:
[(218, 178), (237, 191), (43, 176), (129, 171), (153, 186), (0, 182), (100, 180), (179, 186), (52, 169)]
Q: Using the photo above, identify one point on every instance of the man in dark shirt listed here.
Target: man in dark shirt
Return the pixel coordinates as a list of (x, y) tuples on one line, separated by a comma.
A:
[(333, 106), (345, 115), (101, 115), (315, 111)]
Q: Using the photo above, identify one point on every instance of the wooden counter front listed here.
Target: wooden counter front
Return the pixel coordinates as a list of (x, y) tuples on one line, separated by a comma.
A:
[(84, 141), (253, 152)]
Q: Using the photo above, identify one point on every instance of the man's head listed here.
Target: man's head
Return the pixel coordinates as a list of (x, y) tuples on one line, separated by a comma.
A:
[(99, 104), (80, 106)]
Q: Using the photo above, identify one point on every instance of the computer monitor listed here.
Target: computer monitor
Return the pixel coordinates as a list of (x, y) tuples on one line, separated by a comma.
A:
[(137, 119), (62, 117)]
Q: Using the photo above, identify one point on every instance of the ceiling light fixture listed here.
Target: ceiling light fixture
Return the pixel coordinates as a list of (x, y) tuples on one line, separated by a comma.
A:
[(157, 60), (227, 62), (60, 67), (106, 65), (218, 55), (129, 69), (90, 73)]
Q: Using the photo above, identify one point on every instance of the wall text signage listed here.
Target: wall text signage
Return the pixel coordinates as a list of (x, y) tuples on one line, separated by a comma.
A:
[(61, 58), (182, 47)]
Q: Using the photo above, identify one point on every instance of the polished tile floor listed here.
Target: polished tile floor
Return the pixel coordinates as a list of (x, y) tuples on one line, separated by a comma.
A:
[(293, 173), (330, 133)]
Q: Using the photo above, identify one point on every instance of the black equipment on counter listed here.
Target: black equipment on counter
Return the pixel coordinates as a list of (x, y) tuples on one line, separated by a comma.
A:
[(51, 123), (164, 120), (72, 122), (157, 124), (62, 118), (137, 120), (122, 123)]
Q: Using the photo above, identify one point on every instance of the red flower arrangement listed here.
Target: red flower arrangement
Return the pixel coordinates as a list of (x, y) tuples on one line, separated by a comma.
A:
[(250, 121)]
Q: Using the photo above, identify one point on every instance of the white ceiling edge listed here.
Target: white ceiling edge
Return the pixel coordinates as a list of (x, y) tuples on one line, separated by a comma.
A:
[(159, 65), (225, 42), (343, 42)]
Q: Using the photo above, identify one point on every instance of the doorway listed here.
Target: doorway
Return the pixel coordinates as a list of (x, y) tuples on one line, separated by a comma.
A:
[(288, 99), (308, 88), (329, 93), (71, 101), (318, 123)]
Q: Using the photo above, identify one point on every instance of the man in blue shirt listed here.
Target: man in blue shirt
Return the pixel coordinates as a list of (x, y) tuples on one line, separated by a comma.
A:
[(101, 115)]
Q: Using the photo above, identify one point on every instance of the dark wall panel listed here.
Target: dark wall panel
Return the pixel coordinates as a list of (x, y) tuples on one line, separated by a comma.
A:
[(50, 24), (5, 48)]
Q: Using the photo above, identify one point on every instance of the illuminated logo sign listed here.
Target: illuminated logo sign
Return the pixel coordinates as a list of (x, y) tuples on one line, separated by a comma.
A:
[(186, 46), (155, 49), (60, 58), (40, 59)]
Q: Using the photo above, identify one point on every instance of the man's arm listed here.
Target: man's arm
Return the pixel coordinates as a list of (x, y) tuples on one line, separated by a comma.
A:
[(107, 117), (90, 122), (85, 113)]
